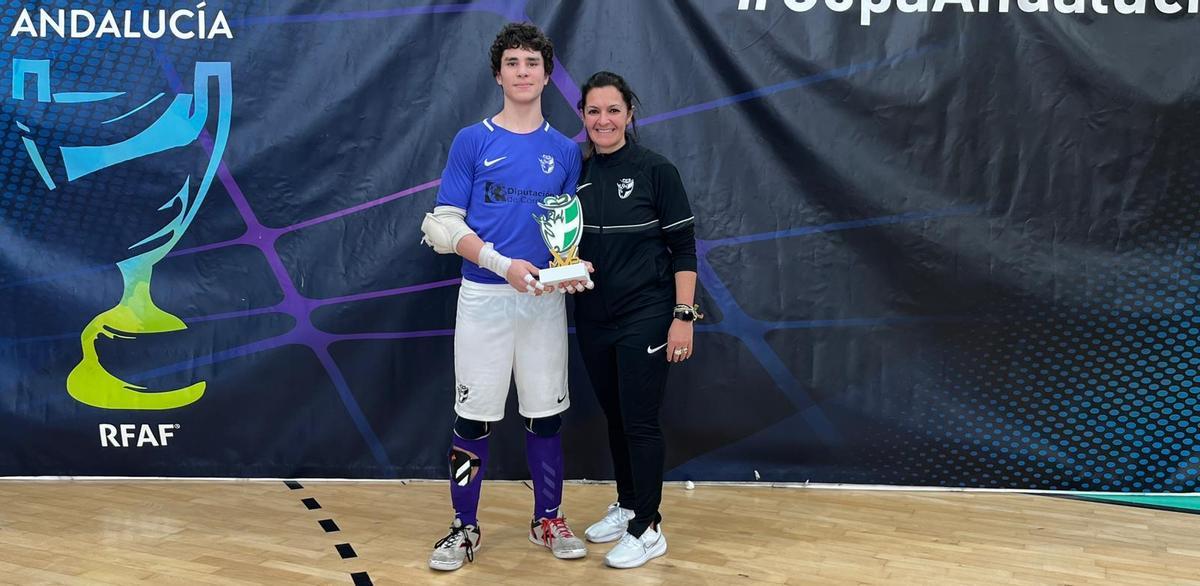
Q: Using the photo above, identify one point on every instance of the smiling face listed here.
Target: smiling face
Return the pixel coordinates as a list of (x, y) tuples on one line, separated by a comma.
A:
[(605, 115), (522, 75)]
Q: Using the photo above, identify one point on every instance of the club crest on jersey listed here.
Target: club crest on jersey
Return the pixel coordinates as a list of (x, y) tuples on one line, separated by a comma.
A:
[(624, 187), (547, 164)]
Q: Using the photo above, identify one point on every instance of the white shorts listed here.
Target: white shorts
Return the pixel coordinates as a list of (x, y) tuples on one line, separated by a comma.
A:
[(501, 334)]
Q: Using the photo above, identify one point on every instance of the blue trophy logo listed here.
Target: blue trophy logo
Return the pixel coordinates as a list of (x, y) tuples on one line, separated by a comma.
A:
[(181, 123)]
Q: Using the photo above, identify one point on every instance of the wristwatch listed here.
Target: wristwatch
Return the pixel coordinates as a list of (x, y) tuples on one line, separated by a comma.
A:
[(685, 312)]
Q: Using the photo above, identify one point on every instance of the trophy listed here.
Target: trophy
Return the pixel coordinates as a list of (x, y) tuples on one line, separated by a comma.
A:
[(181, 123), (562, 228)]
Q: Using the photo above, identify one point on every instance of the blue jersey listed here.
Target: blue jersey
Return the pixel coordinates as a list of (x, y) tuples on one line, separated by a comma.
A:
[(499, 177)]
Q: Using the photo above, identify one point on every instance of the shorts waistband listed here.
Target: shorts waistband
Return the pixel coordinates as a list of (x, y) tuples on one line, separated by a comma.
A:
[(488, 288)]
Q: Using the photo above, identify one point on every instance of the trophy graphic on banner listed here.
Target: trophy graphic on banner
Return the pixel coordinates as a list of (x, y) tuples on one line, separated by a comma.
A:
[(562, 228), (181, 123)]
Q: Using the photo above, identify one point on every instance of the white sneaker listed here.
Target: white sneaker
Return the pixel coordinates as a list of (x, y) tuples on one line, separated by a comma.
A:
[(460, 544), (611, 527), (556, 536), (632, 552)]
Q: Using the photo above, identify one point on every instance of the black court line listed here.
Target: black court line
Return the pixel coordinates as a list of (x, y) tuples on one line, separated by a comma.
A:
[(1074, 497), (345, 550), (330, 526)]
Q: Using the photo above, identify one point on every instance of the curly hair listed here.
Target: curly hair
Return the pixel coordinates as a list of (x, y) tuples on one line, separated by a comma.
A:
[(522, 35)]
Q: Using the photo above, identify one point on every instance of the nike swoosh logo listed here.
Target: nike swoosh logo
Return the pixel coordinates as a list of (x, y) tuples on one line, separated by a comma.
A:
[(650, 350), (579, 188), (562, 398), (487, 163)]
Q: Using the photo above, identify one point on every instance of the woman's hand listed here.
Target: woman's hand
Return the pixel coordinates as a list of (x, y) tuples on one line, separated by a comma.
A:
[(581, 285), (679, 341)]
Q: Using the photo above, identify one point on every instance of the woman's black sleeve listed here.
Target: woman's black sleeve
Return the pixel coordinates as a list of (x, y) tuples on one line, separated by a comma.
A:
[(677, 222)]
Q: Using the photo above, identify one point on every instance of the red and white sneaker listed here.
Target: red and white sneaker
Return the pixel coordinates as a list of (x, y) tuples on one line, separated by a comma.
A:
[(555, 535)]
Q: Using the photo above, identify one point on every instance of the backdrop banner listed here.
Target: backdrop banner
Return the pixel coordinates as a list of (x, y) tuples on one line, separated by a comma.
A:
[(942, 242)]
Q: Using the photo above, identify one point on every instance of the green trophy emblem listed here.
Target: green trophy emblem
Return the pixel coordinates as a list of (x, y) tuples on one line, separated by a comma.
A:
[(562, 228)]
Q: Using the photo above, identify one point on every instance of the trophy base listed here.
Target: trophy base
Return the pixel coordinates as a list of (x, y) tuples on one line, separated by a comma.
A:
[(556, 275)]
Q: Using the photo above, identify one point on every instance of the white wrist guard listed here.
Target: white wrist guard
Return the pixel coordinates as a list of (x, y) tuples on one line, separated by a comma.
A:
[(444, 228), (494, 261)]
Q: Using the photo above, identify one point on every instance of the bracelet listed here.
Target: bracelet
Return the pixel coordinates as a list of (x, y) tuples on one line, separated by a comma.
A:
[(685, 312)]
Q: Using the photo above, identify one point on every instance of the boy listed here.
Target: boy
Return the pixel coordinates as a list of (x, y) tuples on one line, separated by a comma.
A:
[(508, 324)]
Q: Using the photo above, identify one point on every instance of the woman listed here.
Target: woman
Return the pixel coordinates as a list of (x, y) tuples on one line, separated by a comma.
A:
[(637, 321)]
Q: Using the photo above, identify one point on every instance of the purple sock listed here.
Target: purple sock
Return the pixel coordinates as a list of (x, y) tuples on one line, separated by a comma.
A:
[(466, 476), (545, 458)]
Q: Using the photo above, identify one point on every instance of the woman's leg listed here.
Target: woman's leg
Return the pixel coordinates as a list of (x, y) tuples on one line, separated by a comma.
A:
[(642, 382), (597, 346)]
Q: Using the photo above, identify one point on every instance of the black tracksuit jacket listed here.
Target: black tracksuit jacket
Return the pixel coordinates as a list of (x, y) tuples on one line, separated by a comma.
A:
[(638, 232)]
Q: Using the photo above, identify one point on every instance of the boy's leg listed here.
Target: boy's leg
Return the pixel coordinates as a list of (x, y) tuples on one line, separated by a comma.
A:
[(540, 369), (483, 350), (468, 460), (543, 453)]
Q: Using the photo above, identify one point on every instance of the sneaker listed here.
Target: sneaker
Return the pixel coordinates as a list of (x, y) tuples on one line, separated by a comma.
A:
[(554, 534), (632, 552), (611, 527), (460, 544)]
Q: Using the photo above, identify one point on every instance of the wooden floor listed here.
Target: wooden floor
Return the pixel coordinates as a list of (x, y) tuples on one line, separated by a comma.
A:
[(175, 532)]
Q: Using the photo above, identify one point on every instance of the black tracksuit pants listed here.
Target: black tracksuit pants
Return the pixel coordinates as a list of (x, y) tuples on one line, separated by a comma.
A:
[(630, 383)]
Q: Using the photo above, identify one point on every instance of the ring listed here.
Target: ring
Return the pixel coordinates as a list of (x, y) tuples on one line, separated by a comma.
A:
[(678, 351), (685, 348)]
